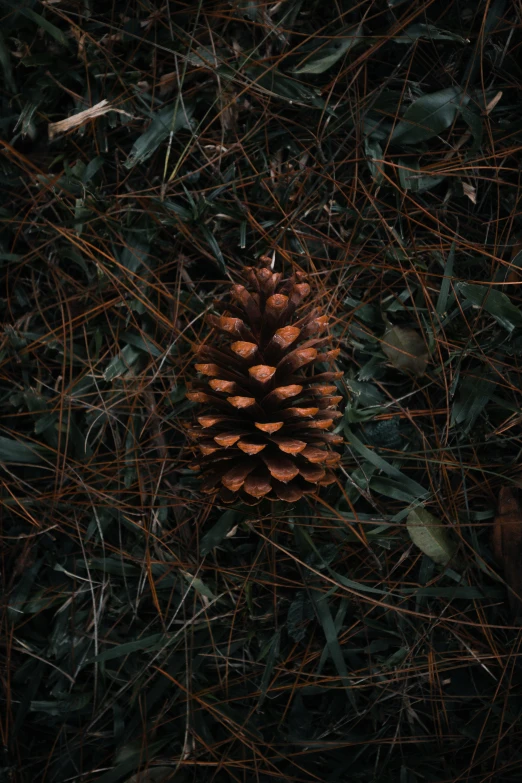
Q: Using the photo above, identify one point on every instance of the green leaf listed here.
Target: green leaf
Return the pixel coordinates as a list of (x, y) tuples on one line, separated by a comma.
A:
[(406, 350), (92, 168), (365, 312), (122, 363), (198, 585), (62, 707), (20, 451), (375, 459), (474, 394), (493, 18), (146, 643), (374, 153), (431, 536), (178, 209), (50, 28), (29, 692), (493, 302), (396, 658), (269, 667), (416, 31), (324, 615), (250, 8), (217, 533), (203, 57), (300, 612), (428, 116), (109, 565), (326, 56), (21, 591), (44, 422), (367, 394), (357, 586), (475, 123), (413, 178), (442, 301), (466, 592), (214, 246), (391, 488), (170, 119), (134, 254), (143, 343), (285, 87), (131, 762)]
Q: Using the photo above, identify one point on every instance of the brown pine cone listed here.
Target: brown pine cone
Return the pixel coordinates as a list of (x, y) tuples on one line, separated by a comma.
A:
[(264, 433)]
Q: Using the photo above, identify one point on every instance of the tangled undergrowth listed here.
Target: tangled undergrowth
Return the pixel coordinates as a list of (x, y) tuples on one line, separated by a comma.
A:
[(149, 153)]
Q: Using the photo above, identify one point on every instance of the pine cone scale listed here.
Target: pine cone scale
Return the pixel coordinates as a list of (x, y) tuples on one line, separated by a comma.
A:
[(269, 426)]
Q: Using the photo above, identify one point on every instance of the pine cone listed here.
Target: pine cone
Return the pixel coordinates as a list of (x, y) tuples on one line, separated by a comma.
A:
[(264, 434)]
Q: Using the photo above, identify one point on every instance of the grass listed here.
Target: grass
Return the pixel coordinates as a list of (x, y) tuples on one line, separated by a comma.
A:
[(149, 634)]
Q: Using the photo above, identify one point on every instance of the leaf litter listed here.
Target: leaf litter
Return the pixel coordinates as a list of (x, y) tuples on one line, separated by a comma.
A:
[(149, 633)]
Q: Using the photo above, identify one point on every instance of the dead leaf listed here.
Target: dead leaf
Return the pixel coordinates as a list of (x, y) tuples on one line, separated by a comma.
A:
[(229, 109), (77, 120), (493, 102), (167, 83), (507, 544), (470, 192), (431, 536), (405, 349)]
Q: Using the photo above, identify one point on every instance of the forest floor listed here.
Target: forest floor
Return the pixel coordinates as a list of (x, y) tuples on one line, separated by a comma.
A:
[(149, 152)]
